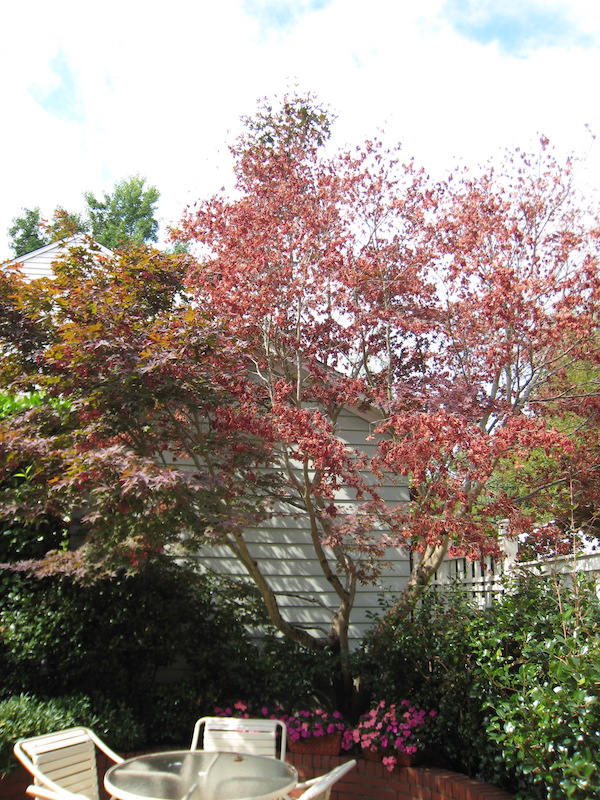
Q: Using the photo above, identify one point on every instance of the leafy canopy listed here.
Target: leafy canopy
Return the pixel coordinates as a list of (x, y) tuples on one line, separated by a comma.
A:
[(127, 215), (447, 315)]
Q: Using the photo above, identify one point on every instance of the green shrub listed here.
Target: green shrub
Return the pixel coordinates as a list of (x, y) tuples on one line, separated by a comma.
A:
[(426, 658), (115, 635), (26, 715), (291, 676), (171, 712), (549, 729), (516, 686), (542, 661)]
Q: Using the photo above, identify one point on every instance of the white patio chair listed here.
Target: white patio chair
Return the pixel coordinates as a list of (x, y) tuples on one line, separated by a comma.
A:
[(65, 760), (258, 737), (321, 786)]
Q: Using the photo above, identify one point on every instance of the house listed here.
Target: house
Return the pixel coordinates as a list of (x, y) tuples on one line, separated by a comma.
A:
[(282, 543), (38, 263)]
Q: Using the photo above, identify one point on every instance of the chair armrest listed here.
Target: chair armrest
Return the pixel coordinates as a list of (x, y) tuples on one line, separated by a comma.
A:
[(36, 773), (305, 784), (49, 794), (104, 747)]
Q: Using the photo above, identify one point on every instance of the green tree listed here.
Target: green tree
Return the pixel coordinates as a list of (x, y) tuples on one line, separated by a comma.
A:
[(31, 231), (27, 232), (127, 215)]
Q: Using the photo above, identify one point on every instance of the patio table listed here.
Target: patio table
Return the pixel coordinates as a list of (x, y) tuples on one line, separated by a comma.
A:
[(200, 775)]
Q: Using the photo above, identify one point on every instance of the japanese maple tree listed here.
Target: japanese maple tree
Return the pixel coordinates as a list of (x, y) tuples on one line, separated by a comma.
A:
[(128, 371), (452, 310), (515, 264)]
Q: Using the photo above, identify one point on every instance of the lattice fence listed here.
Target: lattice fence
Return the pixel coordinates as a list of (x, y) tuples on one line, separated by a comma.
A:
[(484, 580)]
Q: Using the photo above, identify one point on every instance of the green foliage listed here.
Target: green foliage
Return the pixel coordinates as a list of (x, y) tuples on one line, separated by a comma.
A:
[(16, 403), (542, 660), (30, 232), (548, 729), (293, 676), (114, 637), (19, 538), (115, 634), (162, 643), (126, 216), (26, 232), (26, 715), (425, 658), (516, 686), (170, 712), (13, 403)]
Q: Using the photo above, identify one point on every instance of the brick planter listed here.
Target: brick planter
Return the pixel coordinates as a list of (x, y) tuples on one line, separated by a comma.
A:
[(369, 781), (317, 745)]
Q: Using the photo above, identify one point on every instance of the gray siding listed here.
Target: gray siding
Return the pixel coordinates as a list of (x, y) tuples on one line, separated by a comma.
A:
[(38, 264), (282, 546)]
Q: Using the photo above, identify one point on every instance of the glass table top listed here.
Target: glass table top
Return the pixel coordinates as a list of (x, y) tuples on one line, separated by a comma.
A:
[(200, 775)]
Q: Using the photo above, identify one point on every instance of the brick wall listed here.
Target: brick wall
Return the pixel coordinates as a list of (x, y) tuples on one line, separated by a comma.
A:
[(369, 781)]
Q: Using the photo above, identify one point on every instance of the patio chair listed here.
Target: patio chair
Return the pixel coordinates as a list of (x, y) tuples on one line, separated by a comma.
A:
[(258, 737), (321, 786), (65, 760)]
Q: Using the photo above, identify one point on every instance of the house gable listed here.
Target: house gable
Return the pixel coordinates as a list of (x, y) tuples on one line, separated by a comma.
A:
[(38, 263)]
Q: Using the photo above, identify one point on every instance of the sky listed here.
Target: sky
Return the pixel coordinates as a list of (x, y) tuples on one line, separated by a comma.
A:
[(93, 93)]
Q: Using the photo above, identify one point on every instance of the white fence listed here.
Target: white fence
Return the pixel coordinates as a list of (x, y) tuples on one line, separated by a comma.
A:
[(484, 580)]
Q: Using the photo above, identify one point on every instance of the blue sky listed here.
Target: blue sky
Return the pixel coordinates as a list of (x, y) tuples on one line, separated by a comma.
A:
[(281, 14), (91, 96), (517, 27), (60, 99)]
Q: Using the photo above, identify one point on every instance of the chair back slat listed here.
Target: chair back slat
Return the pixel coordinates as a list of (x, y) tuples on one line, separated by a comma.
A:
[(73, 767), (239, 742), (261, 737), (54, 741), (43, 793)]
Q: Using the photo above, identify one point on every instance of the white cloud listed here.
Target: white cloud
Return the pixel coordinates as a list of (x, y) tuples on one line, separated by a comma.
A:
[(161, 89)]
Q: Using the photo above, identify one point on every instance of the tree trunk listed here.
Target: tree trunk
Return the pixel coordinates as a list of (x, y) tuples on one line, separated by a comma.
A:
[(422, 571)]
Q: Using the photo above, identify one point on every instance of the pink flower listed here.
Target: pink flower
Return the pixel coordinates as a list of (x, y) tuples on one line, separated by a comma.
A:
[(387, 729)]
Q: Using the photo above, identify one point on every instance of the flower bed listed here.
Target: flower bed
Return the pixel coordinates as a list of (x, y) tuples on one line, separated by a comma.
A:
[(388, 732), (316, 730)]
